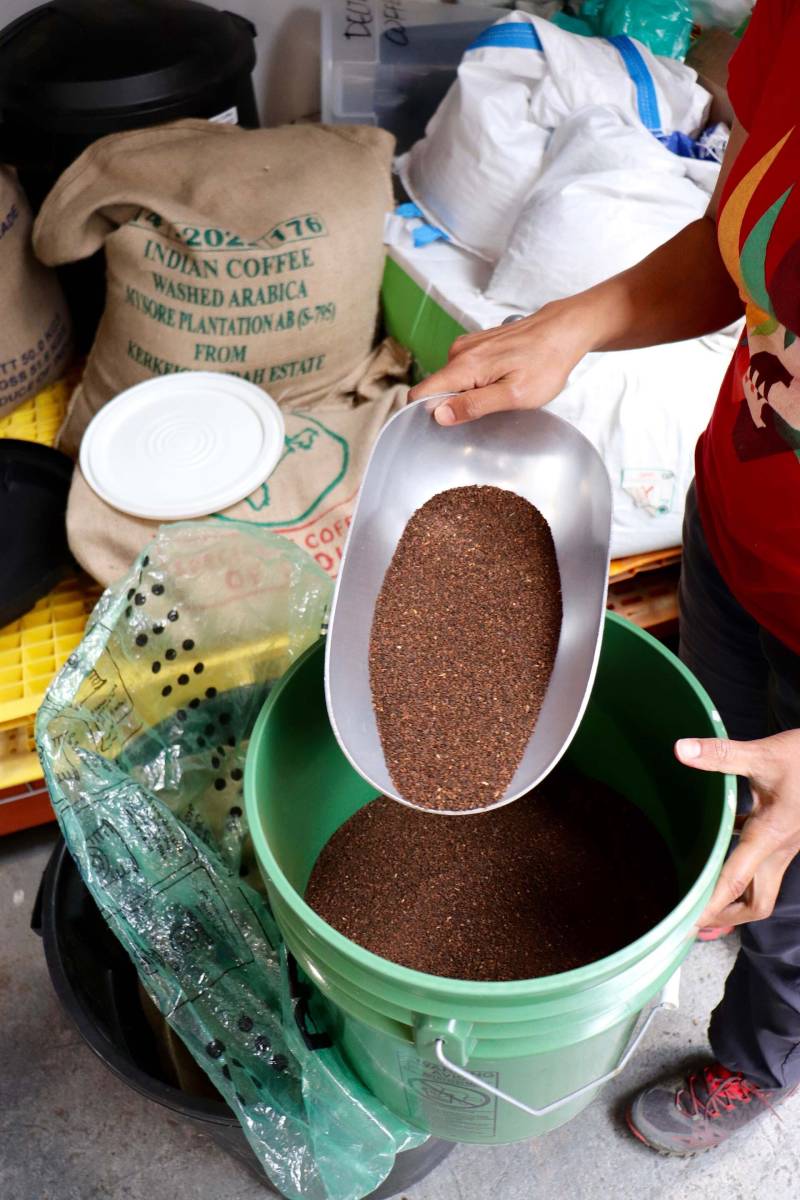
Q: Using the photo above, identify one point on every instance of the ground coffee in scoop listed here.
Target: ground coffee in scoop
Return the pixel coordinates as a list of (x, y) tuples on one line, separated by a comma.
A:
[(464, 637)]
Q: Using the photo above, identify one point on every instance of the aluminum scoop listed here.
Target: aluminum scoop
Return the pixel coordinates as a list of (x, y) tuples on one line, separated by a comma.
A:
[(533, 453)]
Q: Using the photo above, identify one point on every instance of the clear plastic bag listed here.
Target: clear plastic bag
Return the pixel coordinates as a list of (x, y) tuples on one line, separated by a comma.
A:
[(142, 737)]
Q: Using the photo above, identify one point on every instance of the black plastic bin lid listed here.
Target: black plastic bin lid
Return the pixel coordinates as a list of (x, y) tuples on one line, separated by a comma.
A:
[(34, 485), (73, 59)]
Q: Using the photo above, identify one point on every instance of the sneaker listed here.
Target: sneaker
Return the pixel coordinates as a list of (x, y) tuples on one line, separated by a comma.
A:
[(703, 1110), (715, 932)]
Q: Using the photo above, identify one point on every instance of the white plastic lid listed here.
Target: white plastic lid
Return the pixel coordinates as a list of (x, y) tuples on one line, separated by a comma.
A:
[(182, 446)]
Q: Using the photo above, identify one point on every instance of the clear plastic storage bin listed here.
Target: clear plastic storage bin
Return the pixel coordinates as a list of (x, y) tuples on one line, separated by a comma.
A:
[(390, 62)]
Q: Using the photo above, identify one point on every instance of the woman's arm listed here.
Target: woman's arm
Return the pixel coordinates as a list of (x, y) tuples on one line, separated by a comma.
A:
[(681, 290)]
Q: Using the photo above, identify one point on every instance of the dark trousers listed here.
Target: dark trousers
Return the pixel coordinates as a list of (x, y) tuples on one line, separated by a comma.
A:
[(754, 680)]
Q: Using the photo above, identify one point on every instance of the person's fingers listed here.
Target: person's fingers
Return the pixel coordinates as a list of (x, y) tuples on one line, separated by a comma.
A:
[(468, 341), (757, 857), (431, 386), (458, 376), (500, 340), (474, 360), (757, 901), (734, 880), (476, 402), (721, 754)]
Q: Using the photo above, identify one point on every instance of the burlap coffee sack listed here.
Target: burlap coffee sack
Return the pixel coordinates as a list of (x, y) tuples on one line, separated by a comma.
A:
[(310, 495), (35, 326), (256, 252)]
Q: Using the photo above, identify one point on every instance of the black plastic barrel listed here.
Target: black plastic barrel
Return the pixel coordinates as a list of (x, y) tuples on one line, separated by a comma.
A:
[(72, 71), (97, 985)]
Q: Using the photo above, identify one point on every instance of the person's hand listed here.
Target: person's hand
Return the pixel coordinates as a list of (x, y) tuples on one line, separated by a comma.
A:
[(522, 365), (770, 836)]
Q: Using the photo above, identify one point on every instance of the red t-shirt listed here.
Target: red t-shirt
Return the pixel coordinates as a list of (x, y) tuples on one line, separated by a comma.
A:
[(748, 460)]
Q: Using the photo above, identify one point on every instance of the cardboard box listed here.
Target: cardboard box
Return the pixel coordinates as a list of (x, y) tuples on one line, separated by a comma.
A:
[(710, 56)]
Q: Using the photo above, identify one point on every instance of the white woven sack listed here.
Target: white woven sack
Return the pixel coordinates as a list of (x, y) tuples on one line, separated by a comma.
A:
[(484, 147), (644, 411), (608, 195)]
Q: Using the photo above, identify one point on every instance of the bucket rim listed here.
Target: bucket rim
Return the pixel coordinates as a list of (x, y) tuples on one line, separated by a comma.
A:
[(443, 987)]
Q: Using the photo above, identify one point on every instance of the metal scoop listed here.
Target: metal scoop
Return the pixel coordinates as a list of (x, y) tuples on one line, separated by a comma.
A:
[(533, 453)]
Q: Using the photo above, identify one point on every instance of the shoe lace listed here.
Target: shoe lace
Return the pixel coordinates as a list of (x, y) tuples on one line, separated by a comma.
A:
[(723, 1089)]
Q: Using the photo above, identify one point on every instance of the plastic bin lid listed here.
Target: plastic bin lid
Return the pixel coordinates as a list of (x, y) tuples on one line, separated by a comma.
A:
[(182, 446), (34, 485), (85, 56)]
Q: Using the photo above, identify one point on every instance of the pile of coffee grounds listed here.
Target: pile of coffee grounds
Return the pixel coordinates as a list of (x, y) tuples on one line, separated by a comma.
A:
[(463, 642), (567, 875)]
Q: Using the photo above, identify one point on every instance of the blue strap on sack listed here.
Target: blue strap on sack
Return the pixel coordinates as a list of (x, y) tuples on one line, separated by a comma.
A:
[(646, 98), (520, 36), (512, 36)]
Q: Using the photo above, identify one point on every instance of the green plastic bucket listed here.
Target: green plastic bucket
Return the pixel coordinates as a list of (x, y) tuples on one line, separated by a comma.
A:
[(536, 1041)]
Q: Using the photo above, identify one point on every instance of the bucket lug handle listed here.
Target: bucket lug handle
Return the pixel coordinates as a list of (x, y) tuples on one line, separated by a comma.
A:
[(298, 994), (667, 1000), (431, 1031)]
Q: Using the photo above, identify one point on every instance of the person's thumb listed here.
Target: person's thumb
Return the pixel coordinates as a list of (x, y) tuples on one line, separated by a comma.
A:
[(721, 754), (478, 402)]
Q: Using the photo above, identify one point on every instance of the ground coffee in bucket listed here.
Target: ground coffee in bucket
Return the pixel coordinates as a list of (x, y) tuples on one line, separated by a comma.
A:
[(463, 642), (567, 875)]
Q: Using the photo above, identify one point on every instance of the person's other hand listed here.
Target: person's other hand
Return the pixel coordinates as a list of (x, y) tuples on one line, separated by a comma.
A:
[(521, 365), (770, 836)]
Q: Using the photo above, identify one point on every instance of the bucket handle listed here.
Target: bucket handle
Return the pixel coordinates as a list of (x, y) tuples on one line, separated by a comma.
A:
[(298, 994), (667, 1000)]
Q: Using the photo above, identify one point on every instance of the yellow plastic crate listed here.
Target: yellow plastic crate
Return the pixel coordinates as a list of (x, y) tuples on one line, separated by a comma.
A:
[(39, 419), (33, 648)]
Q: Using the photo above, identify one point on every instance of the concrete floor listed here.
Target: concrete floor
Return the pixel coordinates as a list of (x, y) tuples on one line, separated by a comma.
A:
[(69, 1130)]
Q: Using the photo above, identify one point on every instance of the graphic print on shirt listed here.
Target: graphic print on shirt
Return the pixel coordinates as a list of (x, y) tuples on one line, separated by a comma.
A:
[(757, 234), (748, 460)]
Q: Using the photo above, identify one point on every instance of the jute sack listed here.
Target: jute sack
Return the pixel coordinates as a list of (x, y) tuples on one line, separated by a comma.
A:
[(256, 252), (35, 326), (310, 495)]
